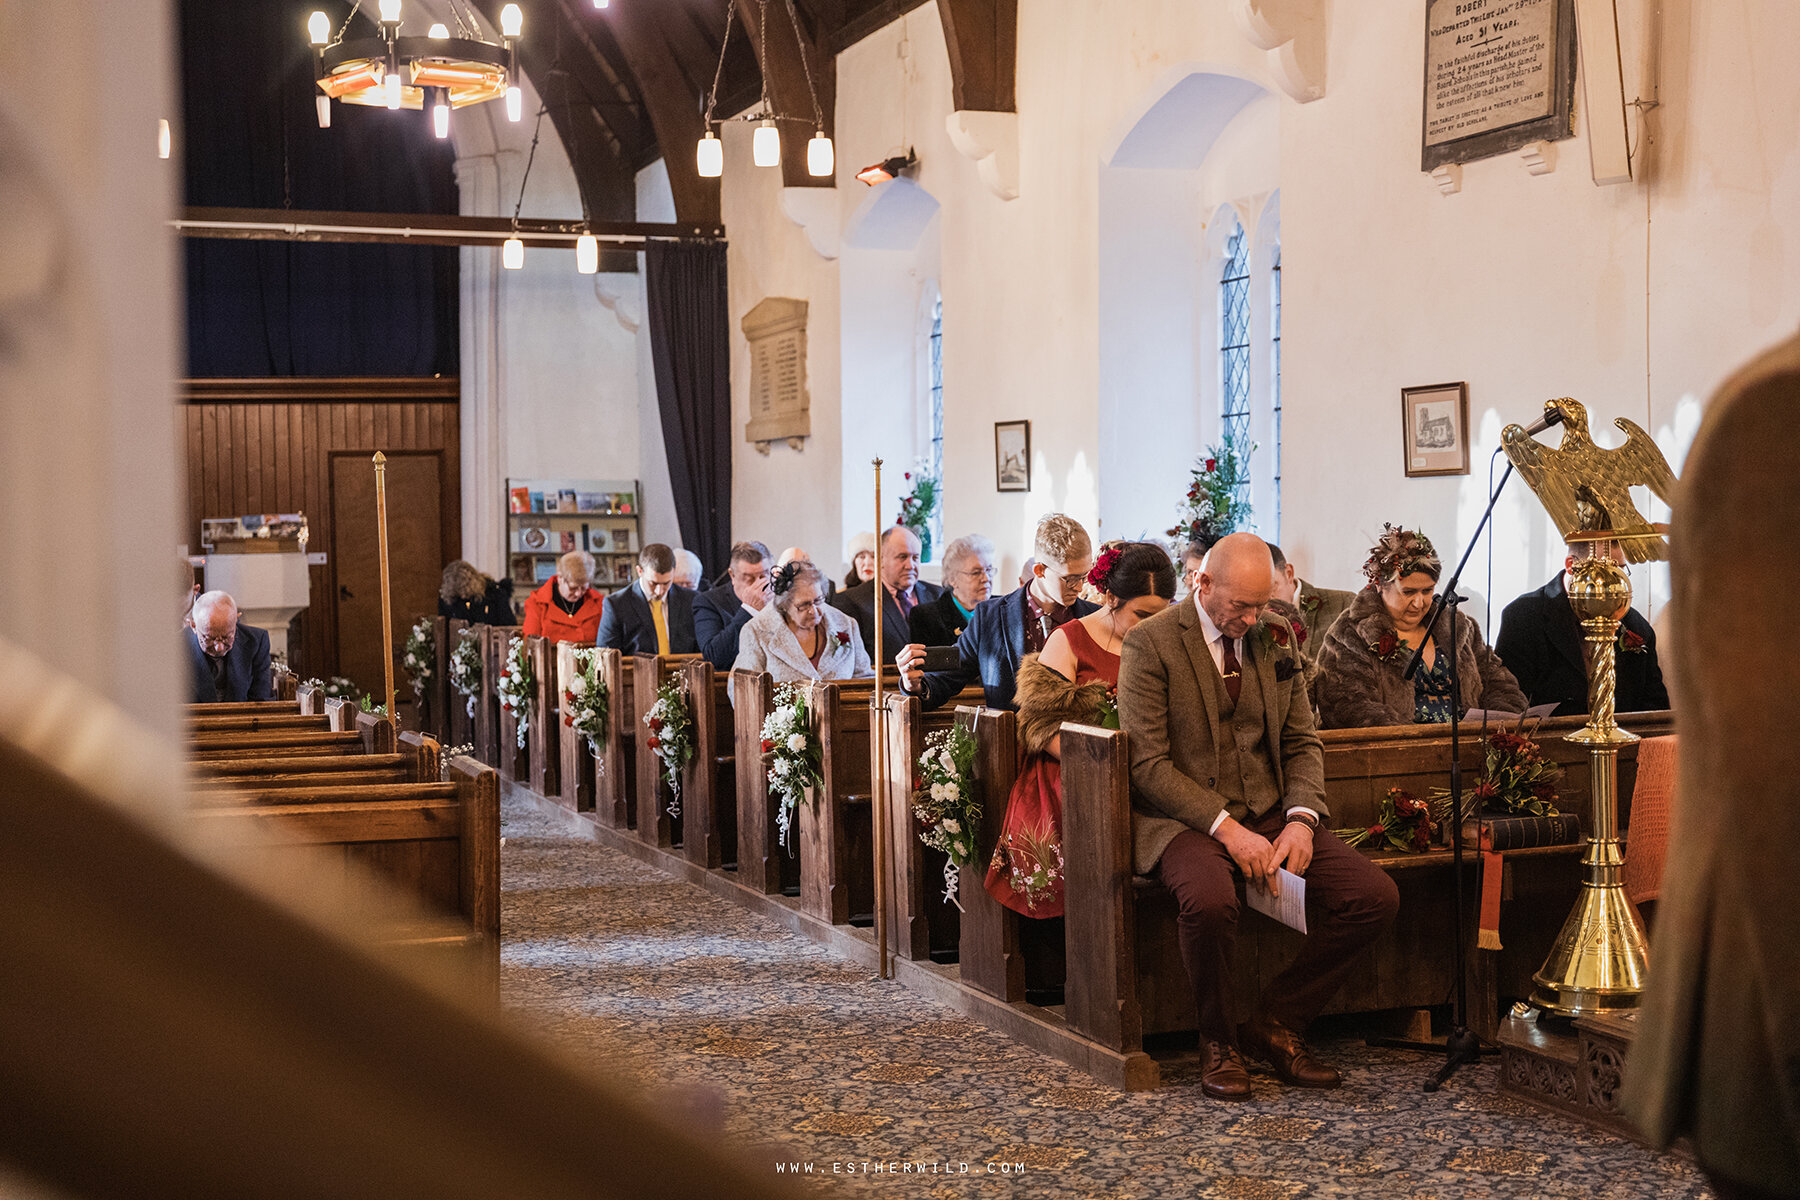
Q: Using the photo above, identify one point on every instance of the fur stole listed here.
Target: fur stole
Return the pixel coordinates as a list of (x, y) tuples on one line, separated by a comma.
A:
[(1046, 700)]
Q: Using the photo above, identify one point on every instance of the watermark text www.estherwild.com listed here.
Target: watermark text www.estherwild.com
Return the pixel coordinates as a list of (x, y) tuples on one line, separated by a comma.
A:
[(900, 1167)]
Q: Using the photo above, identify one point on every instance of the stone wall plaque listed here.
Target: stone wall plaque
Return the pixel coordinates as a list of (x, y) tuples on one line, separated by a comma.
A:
[(780, 408), (1499, 75)]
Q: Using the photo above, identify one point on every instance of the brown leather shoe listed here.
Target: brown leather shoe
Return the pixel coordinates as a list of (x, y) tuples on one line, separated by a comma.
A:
[(1288, 1053), (1222, 1073)]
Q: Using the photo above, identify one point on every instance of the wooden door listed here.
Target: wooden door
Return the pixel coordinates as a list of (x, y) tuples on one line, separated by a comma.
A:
[(415, 559)]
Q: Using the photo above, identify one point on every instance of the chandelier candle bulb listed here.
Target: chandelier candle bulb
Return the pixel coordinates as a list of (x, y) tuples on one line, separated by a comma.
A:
[(709, 156), (515, 103), (765, 146), (440, 112), (587, 254), (512, 254), (820, 161), (323, 103), (318, 28), (600, 3), (438, 30), (511, 21), (391, 83), (165, 140), (390, 12)]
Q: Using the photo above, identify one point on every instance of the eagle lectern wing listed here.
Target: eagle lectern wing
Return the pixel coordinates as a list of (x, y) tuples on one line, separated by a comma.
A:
[(1541, 467), (1586, 488)]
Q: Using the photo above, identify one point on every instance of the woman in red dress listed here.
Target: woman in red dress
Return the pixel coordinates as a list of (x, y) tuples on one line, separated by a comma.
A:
[(1074, 679)]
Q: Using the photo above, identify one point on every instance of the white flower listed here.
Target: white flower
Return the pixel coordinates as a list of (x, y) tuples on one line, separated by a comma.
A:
[(948, 763), (796, 742), (952, 825), (578, 685), (943, 793), (781, 767)]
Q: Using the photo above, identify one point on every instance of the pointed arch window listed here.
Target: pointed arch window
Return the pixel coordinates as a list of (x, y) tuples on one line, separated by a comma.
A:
[(1234, 341), (1275, 381)]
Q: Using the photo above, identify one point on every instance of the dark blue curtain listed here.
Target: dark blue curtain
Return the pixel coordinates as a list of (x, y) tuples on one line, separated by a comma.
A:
[(251, 139), (690, 346)]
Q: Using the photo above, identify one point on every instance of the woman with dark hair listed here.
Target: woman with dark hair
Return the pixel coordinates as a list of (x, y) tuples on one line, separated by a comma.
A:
[(1362, 664), (1073, 679), (469, 595), (799, 637)]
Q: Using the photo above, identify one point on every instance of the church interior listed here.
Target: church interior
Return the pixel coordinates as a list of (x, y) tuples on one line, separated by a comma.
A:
[(943, 598)]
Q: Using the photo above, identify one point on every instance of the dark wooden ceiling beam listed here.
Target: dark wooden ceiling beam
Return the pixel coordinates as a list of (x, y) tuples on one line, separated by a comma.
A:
[(673, 108), (866, 20), (779, 52), (983, 40)]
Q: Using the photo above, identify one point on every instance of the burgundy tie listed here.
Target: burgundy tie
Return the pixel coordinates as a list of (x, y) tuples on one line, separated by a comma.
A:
[(1231, 669), (905, 600)]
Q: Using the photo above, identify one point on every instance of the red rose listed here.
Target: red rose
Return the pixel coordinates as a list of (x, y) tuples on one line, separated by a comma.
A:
[(1299, 633), (654, 743), (568, 697), (843, 638), (767, 745), (1421, 837), (507, 707), (1212, 464), (655, 724), (1630, 642), (569, 721), (909, 474), (1278, 635), (1389, 642)]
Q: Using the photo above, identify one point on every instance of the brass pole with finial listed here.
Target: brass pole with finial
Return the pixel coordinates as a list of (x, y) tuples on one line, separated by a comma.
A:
[(877, 736), (387, 615)]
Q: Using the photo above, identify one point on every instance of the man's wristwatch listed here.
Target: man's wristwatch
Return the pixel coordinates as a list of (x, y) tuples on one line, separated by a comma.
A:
[(1305, 819)]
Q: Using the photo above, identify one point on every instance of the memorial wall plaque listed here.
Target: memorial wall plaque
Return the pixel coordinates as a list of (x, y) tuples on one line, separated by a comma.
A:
[(1499, 74), (779, 406)]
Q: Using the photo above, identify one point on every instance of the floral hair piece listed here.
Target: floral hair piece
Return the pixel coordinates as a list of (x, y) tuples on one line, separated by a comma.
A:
[(783, 579), (1103, 566), (1400, 552)]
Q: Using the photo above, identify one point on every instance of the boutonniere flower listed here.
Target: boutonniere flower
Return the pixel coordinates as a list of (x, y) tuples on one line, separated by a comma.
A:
[(1285, 669), (1387, 646), (1311, 603), (1629, 642), (843, 639), (1281, 634)]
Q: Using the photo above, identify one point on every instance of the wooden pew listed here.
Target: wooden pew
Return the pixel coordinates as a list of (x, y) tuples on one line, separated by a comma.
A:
[(615, 768), (764, 865), (214, 747), (512, 760), (655, 825), (575, 759), (309, 699), (459, 721), (709, 784), (254, 722), (438, 693), (437, 841), (419, 759), (289, 707), (544, 739), (283, 683), (379, 734), (836, 836), (926, 926), (988, 956)]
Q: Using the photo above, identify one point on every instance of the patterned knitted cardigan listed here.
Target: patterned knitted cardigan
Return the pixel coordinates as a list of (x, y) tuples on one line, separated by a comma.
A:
[(1046, 700), (1356, 689)]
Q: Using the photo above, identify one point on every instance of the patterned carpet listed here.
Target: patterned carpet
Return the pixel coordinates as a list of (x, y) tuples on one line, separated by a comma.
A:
[(792, 1048)]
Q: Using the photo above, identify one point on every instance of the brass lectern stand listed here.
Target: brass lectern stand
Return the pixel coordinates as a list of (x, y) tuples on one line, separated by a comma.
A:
[(1598, 963)]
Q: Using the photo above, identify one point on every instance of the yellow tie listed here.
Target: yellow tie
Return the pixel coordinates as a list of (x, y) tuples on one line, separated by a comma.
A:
[(662, 626)]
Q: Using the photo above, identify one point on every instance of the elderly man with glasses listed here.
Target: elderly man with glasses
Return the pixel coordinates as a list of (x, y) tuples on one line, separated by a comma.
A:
[(230, 660)]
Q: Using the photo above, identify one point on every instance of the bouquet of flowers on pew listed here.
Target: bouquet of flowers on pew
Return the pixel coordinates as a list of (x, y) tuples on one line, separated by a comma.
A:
[(1513, 802), (671, 736), (794, 756), (465, 667), (946, 802), (518, 687), (419, 656), (1405, 823), (585, 700), (335, 688)]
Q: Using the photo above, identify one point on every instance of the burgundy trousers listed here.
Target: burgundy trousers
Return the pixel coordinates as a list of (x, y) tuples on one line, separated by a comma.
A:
[(1349, 901)]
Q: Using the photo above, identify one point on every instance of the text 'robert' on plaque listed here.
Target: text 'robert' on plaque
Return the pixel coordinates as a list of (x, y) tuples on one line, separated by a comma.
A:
[(1498, 75)]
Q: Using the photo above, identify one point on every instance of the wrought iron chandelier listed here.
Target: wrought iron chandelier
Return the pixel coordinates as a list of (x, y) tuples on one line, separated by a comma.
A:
[(765, 144), (443, 70)]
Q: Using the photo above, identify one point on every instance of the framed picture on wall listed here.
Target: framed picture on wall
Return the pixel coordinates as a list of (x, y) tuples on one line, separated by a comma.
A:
[(1012, 456), (1436, 429)]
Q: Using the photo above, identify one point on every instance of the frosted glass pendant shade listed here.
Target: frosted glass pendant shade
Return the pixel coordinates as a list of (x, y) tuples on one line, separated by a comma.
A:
[(765, 146), (515, 103), (587, 254), (512, 254), (820, 161), (709, 156)]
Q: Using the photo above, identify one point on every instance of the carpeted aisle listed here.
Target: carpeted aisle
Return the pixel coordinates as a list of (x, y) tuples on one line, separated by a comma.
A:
[(674, 988)]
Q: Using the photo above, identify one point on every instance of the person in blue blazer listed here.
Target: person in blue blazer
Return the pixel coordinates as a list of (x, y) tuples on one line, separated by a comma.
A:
[(652, 616), (721, 614), (230, 660), (1004, 630)]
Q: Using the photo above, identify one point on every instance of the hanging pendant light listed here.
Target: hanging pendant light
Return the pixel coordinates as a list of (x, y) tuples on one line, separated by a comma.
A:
[(587, 254), (512, 254), (318, 29), (820, 160), (322, 102), (438, 30), (390, 84), (515, 103), (390, 12), (765, 145), (440, 112), (709, 156)]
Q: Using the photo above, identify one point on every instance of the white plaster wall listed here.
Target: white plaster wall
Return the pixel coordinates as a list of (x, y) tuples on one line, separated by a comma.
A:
[(655, 203), (90, 475)]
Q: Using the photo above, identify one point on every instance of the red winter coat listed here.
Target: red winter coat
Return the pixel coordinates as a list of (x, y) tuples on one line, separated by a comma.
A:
[(544, 619)]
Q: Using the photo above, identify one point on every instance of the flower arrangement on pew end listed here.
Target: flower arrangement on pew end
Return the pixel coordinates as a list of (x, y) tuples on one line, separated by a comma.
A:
[(518, 687), (586, 703), (946, 803), (420, 656), (671, 737), (369, 706), (465, 668), (335, 688), (794, 756)]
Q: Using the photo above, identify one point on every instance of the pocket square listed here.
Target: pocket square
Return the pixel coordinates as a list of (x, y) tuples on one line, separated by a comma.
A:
[(1286, 669)]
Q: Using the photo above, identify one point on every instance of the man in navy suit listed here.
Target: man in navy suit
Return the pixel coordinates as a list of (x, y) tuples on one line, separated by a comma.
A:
[(230, 661), (901, 591), (1544, 646), (720, 614), (652, 616), (1005, 629)]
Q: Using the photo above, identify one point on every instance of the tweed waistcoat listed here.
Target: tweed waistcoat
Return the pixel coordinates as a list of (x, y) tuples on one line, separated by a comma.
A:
[(1246, 777)]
